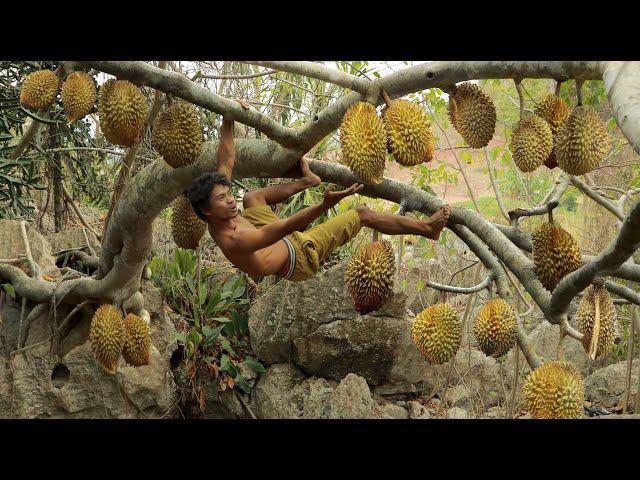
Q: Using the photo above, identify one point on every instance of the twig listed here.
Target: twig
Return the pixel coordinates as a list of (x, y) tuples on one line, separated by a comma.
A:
[(518, 82), (630, 346), (199, 74), (503, 210), (461, 290), (35, 271), (75, 208), (245, 405)]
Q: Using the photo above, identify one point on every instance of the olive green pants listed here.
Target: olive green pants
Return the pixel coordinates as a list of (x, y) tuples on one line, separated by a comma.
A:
[(314, 245)]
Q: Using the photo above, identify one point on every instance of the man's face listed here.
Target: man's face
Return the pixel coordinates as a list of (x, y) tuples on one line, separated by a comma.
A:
[(222, 205)]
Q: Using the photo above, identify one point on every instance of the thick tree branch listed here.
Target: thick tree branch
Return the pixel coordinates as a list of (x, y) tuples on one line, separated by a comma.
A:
[(320, 72), (622, 83), (180, 86)]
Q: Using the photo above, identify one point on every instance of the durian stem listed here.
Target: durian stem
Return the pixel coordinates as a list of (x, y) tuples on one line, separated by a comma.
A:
[(558, 85), (375, 235), (518, 82), (579, 83), (385, 97), (550, 215), (559, 351)]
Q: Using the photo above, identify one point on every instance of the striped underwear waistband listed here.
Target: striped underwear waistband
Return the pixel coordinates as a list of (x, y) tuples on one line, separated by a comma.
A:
[(292, 259)]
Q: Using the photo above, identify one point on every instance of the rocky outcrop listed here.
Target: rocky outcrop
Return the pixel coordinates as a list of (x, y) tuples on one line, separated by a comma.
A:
[(12, 245), (314, 325), (37, 383)]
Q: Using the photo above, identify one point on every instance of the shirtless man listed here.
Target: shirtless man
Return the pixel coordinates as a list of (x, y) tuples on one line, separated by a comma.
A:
[(260, 244)]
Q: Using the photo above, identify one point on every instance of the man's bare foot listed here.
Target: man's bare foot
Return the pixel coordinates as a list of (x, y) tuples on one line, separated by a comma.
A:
[(438, 221), (307, 175)]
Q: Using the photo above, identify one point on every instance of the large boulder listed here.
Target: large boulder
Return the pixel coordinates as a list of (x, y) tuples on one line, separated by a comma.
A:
[(326, 337), (607, 386), (73, 238), (41, 384), (12, 245)]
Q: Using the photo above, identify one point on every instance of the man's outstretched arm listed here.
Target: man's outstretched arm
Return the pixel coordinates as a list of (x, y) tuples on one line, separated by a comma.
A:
[(250, 241)]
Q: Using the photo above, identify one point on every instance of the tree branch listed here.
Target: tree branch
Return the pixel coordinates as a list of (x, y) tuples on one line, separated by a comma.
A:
[(180, 86), (462, 290), (596, 197)]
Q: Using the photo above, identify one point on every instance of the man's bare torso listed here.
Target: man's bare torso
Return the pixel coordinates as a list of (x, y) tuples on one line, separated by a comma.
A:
[(272, 260)]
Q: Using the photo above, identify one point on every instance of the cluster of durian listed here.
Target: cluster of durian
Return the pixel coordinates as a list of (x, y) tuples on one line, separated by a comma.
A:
[(78, 93), (495, 328), (554, 390), (404, 131), (576, 141), (595, 319), (369, 276), (555, 254), (437, 333), (111, 336), (187, 229)]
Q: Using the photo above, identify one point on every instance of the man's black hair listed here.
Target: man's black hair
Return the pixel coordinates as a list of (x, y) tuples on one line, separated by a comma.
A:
[(199, 192)]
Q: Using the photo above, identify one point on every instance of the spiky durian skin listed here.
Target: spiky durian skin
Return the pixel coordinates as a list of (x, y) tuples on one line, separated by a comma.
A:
[(137, 345), (582, 141), (472, 114), (107, 336), (369, 276), (177, 135), (554, 390), (531, 143), (408, 132), (363, 141), (586, 315), (122, 110), (78, 95), (187, 229), (555, 254), (552, 109), (495, 328), (437, 333), (39, 89)]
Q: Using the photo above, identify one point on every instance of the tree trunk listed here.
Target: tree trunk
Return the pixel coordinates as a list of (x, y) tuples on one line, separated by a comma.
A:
[(55, 175)]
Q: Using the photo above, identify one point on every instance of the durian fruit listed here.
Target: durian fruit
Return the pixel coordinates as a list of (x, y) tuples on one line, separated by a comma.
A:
[(408, 133), (582, 141), (531, 143), (137, 345), (495, 328), (78, 95), (437, 332), (39, 89), (553, 109), (595, 319), (122, 110), (554, 390), (369, 276), (187, 229), (177, 134), (107, 336), (364, 143), (555, 254), (473, 114)]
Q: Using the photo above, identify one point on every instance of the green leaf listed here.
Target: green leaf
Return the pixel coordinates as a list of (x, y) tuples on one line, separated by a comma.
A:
[(227, 346), (202, 294), (225, 362), (222, 319), (254, 364), (10, 290)]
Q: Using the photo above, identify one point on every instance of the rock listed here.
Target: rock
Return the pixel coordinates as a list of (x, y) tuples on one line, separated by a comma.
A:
[(394, 411), (284, 392), (73, 385), (329, 339), (12, 245), (417, 410), (606, 386), (352, 399), (475, 384), (272, 394), (72, 238), (457, 413)]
